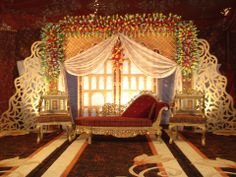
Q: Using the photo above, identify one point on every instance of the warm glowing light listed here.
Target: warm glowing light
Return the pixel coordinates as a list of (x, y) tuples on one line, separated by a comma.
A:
[(101, 82), (93, 112), (99, 71), (141, 83), (109, 97), (134, 69), (86, 83), (125, 82), (97, 99), (125, 98), (86, 99), (133, 94), (85, 112), (43, 106), (133, 83), (109, 67), (149, 83), (225, 11), (125, 69), (94, 83), (98, 88), (109, 83)]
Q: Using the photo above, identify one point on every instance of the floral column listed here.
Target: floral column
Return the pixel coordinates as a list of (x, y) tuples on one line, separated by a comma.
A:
[(118, 59)]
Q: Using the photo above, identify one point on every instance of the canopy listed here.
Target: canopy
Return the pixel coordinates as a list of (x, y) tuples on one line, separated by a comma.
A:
[(149, 62)]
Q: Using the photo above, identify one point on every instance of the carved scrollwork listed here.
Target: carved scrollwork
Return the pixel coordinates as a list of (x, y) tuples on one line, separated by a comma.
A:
[(109, 109), (23, 104), (219, 110), (124, 132)]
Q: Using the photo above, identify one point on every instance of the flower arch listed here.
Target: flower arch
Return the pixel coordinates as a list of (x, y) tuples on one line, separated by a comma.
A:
[(53, 36)]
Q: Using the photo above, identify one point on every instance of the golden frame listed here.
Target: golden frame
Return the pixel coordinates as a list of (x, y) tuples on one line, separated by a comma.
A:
[(56, 104), (187, 104)]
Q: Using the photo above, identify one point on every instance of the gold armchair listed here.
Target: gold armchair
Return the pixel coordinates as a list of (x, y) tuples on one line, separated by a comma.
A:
[(188, 110), (54, 110)]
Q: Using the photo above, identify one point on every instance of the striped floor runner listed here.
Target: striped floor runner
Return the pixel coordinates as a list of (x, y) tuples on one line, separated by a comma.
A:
[(61, 158)]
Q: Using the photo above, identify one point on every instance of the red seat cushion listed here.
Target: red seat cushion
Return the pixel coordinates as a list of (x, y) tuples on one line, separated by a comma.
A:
[(187, 118), (54, 118), (114, 121)]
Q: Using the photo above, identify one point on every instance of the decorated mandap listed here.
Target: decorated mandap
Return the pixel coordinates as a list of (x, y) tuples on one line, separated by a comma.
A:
[(100, 59)]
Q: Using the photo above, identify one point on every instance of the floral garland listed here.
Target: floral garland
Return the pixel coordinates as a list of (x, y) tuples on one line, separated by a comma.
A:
[(187, 53), (52, 50), (117, 55), (53, 35)]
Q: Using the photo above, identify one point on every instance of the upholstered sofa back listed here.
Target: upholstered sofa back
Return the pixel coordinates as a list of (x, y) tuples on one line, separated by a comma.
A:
[(144, 106)]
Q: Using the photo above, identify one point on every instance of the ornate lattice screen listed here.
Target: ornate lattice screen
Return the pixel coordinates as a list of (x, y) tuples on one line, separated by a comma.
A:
[(164, 45), (23, 105), (220, 112), (75, 45)]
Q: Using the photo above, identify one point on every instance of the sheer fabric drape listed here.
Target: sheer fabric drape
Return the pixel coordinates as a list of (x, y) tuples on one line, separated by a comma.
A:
[(149, 62), (90, 60)]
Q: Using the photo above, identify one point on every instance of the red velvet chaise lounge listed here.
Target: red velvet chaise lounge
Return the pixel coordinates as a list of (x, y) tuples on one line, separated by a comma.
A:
[(141, 117)]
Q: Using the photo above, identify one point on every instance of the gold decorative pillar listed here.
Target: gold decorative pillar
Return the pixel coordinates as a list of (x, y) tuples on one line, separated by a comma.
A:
[(187, 82), (53, 87)]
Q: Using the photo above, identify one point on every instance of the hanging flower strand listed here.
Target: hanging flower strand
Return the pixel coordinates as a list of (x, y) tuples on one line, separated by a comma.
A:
[(117, 54)]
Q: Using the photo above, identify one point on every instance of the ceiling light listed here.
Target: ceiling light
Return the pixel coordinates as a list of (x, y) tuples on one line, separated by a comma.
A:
[(225, 11)]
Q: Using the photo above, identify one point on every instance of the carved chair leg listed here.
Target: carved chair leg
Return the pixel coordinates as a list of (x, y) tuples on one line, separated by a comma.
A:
[(69, 131), (177, 130), (204, 136), (159, 133), (39, 133), (176, 133), (90, 139), (170, 134), (73, 132), (159, 138)]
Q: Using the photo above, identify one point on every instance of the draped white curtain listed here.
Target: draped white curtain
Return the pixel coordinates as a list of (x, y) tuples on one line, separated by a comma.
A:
[(148, 61), (92, 59)]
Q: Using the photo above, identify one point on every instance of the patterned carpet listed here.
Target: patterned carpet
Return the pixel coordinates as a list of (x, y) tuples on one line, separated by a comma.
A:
[(109, 156), (112, 157)]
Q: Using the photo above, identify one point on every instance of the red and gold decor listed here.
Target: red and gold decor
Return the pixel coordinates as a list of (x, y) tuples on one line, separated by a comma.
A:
[(53, 87), (191, 54), (53, 35)]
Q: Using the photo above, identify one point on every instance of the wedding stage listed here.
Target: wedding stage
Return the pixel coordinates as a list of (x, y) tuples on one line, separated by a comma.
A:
[(117, 88), (112, 58)]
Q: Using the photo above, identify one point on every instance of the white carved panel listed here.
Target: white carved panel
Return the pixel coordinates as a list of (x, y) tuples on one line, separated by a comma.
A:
[(23, 104), (220, 112)]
